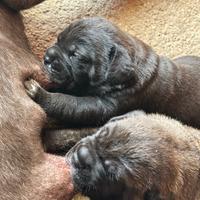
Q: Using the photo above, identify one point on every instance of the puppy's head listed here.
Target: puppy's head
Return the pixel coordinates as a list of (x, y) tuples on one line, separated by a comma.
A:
[(89, 53), (96, 165)]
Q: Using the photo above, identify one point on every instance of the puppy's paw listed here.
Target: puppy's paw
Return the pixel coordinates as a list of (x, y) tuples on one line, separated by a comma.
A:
[(127, 115), (32, 88)]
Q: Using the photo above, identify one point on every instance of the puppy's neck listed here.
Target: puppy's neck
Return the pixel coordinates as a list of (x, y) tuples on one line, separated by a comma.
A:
[(156, 77), (162, 87)]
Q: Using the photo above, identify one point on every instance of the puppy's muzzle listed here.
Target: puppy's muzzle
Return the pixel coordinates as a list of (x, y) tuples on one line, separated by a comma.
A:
[(51, 60), (51, 55), (82, 158)]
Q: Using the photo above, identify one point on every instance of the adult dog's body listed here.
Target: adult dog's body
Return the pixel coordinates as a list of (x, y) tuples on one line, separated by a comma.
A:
[(106, 72), (26, 172), (138, 157)]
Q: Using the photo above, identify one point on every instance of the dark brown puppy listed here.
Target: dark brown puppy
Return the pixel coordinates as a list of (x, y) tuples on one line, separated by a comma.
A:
[(26, 172), (140, 157), (108, 72)]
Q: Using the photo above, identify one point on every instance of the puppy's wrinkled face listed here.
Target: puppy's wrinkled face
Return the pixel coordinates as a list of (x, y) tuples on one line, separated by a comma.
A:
[(87, 167), (95, 171), (84, 54)]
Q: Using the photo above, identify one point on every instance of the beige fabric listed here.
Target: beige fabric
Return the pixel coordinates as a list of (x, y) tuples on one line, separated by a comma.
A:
[(171, 27)]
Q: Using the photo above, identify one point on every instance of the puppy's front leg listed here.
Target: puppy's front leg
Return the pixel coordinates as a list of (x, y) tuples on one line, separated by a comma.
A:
[(72, 109)]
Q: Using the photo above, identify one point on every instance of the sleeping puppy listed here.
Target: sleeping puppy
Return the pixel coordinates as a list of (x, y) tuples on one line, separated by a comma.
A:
[(101, 72), (138, 157)]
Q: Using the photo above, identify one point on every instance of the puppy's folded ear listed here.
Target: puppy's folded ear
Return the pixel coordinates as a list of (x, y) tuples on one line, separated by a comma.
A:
[(112, 54), (120, 70)]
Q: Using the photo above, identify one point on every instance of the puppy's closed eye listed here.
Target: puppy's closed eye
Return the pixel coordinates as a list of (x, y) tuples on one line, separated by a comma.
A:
[(73, 54)]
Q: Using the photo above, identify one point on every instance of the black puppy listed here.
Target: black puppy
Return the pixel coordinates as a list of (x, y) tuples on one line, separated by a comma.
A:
[(103, 72), (140, 157)]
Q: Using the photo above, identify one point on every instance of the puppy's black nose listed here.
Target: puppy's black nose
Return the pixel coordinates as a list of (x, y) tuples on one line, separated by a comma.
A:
[(50, 55), (47, 60), (83, 157)]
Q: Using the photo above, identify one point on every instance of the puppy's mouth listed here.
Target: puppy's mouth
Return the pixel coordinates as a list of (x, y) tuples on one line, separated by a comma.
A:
[(58, 73), (57, 67), (53, 68)]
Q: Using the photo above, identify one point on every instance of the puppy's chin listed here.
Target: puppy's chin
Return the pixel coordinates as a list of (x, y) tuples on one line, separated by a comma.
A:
[(104, 189), (83, 187), (90, 183), (57, 81), (58, 77)]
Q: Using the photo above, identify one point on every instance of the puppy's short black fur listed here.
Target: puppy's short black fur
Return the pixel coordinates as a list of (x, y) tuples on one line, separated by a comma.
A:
[(104, 72), (138, 157)]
